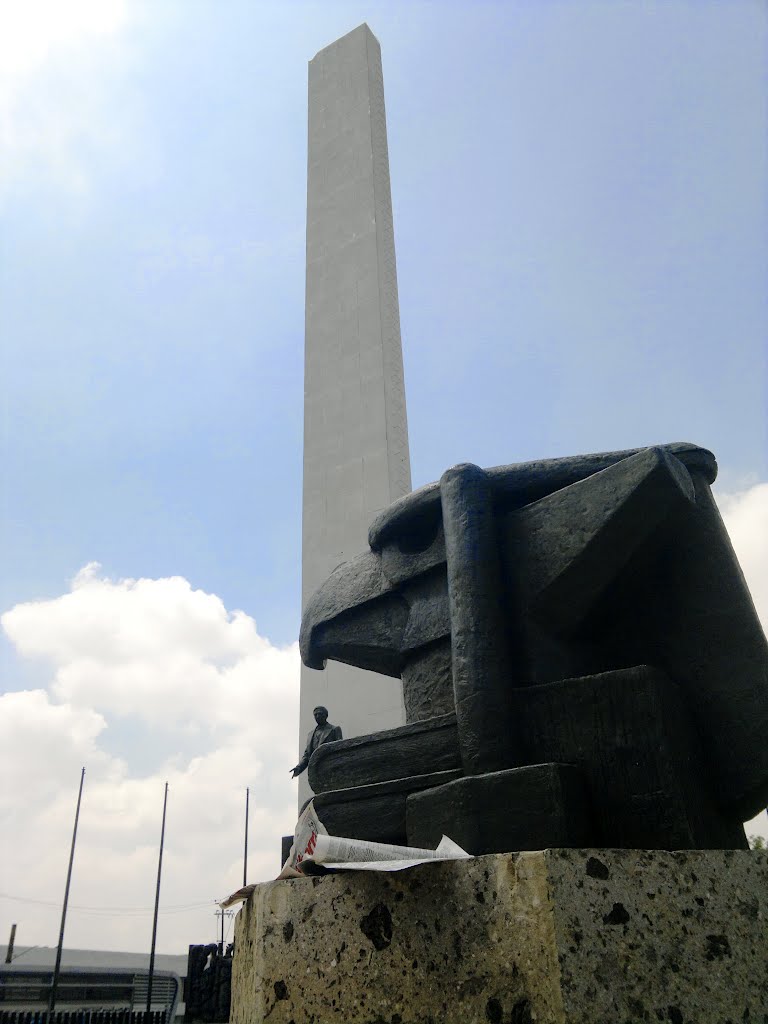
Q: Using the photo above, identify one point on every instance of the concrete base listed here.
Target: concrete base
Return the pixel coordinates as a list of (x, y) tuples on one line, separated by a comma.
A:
[(553, 937)]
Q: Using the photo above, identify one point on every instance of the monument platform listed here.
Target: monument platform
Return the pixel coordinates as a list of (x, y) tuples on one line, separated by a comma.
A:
[(556, 936)]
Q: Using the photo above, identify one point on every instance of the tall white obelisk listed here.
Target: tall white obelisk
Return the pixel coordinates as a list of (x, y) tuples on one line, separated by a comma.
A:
[(356, 457)]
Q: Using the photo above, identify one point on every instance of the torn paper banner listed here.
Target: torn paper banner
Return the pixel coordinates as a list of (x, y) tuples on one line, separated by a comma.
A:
[(308, 829), (237, 897), (358, 855), (313, 845)]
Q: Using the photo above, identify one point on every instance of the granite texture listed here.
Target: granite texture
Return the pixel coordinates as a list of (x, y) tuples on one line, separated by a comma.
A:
[(556, 936)]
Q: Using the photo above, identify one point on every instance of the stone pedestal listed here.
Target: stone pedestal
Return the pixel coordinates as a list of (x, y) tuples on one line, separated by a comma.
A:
[(553, 937)]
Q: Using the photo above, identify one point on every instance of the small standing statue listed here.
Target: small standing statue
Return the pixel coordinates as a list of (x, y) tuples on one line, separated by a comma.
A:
[(323, 732)]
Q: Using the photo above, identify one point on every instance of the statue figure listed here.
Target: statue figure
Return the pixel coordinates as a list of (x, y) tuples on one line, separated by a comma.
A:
[(582, 663), (323, 732)]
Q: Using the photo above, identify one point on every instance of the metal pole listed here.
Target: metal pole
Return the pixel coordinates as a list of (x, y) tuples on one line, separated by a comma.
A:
[(157, 904), (57, 968), (245, 855), (9, 954)]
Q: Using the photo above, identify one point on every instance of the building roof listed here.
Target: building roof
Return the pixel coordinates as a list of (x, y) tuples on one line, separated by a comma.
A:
[(45, 956)]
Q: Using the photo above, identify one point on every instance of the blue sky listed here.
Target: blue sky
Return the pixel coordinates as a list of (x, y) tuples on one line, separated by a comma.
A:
[(579, 213), (579, 201)]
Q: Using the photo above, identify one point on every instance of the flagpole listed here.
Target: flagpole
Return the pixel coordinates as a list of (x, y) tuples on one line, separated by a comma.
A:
[(157, 904), (245, 854), (57, 967)]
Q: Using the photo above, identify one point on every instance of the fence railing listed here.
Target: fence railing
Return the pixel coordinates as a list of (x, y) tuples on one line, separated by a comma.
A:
[(82, 1017)]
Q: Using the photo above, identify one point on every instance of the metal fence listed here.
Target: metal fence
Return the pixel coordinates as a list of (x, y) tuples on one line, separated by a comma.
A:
[(82, 1017), (87, 995)]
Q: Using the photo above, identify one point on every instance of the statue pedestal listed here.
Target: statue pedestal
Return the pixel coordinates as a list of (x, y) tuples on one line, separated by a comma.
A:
[(554, 937)]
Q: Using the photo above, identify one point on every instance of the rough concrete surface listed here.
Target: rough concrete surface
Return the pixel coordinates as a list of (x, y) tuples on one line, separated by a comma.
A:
[(576, 936)]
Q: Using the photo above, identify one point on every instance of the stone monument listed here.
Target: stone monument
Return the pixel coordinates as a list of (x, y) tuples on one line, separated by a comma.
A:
[(586, 690), (585, 679), (575, 641), (356, 458)]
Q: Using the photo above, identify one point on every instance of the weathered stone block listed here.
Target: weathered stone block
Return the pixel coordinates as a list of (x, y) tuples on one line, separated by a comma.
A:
[(376, 813), (501, 811), (416, 749), (629, 732), (556, 936)]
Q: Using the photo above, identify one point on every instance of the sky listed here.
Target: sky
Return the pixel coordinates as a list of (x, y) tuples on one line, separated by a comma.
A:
[(579, 195)]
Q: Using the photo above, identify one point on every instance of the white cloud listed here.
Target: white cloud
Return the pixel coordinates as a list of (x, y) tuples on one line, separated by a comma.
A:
[(170, 657), (31, 726), (156, 649), (56, 59), (745, 514), (30, 33)]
